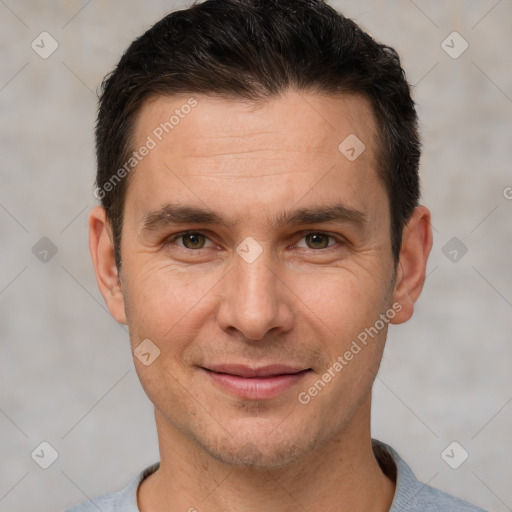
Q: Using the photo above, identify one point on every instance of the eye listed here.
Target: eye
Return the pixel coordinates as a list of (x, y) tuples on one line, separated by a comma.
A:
[(190, 240), (317, 240), (194, 240)]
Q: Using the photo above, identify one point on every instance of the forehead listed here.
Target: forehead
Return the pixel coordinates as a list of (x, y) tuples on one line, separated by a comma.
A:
[(305, 121), (229, 152)]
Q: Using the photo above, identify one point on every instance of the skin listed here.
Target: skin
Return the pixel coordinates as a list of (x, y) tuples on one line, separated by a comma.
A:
[(301, 302)]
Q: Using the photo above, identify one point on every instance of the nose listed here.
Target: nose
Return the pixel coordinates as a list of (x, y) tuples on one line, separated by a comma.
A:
[(255, 299)]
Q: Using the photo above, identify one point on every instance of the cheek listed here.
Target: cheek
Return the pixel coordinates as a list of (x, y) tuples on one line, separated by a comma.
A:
[(346, 305), (169, 307), (343, 301), (161, 296)]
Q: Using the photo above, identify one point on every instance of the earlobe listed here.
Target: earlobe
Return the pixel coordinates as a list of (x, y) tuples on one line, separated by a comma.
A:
[(101, 248), (411, 270)]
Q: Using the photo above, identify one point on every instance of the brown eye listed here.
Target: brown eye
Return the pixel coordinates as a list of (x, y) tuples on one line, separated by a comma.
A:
[(193, 240), (317, 240)]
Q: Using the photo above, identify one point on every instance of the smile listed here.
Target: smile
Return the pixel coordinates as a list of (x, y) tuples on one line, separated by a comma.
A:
[(255, 384)]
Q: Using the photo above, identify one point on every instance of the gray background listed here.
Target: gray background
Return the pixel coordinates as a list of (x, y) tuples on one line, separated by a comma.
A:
[(66, 374)]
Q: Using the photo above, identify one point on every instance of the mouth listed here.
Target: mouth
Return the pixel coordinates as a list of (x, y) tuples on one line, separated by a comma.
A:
[(260, 383)]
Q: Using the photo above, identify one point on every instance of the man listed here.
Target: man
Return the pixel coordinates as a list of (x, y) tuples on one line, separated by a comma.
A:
[(259, 229)]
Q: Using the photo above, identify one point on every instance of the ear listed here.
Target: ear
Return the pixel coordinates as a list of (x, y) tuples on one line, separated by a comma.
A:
[(416, 246), (101, 247)]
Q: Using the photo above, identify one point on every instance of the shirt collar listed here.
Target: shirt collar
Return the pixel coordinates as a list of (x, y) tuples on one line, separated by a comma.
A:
[(393, 466)]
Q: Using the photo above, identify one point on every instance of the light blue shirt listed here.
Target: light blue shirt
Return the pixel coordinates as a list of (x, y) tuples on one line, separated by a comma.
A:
[(410, 495)]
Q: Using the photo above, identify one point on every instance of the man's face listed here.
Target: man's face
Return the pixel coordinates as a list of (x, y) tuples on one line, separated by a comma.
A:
[(315, 285)]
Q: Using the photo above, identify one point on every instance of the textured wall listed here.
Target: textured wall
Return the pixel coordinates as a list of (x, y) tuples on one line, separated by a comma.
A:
[(66, 374)]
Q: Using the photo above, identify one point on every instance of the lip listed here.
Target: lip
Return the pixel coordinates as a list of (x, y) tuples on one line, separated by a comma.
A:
[(242, 370), (255, 383)]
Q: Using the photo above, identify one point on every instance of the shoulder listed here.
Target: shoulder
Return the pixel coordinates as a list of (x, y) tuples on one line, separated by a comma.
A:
[(430, 498), (105, 503), (411, 495), (124, 500)]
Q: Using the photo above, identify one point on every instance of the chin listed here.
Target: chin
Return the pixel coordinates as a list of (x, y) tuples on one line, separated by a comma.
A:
[(259, 451)]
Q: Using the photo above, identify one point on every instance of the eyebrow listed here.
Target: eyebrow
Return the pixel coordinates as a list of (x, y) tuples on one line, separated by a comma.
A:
[(171, 214)]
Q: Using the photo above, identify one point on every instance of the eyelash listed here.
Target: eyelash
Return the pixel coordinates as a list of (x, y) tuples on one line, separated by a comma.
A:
[(172, 239)]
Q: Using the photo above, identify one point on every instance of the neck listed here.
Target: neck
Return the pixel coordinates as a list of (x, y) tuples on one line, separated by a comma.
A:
[(341, 475)]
